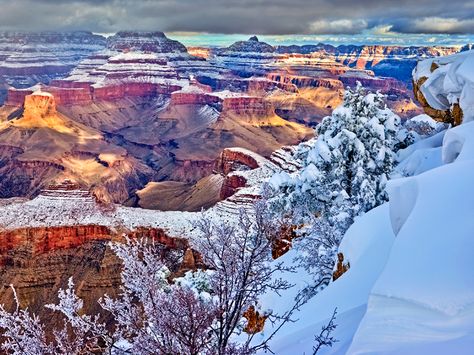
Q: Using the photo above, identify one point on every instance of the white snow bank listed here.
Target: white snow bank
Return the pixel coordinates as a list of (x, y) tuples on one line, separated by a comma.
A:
[(416, 288), (419, 157), (366, 246), (458, 144), (423, 301), (423, 118)]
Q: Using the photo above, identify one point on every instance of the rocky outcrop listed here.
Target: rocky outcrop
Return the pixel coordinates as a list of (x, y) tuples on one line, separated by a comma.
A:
[(231, 185), (144, 41), (444, 85), (341, 267), (44, 239), (38, 261), (255, 321), (232, 164), (251, 45), (194, 94), (301, 81), (29, 58), (51, 146), (39, 104), (231, 160), (437, 114), (395, 61), (246, 58)]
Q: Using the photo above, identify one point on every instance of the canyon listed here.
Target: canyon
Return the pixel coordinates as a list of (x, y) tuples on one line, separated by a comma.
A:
[(134, 134), (138, 113)]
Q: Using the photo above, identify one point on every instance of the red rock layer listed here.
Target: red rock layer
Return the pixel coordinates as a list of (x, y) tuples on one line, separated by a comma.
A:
[(231, 184), (45, 239), (70, 93), (39, 261)]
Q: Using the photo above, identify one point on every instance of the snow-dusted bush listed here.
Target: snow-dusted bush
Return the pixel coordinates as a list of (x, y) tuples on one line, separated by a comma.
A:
[(151, 315), (242, 271)]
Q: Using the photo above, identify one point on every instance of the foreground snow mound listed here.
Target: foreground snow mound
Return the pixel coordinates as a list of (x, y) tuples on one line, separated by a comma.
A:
[(366, 246), (423, 301), (410, 287), (448, 81)]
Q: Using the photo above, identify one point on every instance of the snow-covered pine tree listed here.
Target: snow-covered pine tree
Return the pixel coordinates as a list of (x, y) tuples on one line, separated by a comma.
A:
[(346, 171)]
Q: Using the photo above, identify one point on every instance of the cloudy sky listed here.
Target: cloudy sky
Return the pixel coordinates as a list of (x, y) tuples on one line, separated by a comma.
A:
[(266, 17)]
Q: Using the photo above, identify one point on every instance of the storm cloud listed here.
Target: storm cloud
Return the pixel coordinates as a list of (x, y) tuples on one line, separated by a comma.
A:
[(271, 17)]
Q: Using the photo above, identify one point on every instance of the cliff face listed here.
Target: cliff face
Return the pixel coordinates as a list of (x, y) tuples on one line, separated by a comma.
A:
[(243, 105), (388, 61), (233, 160), (39, 261), (301, 81)]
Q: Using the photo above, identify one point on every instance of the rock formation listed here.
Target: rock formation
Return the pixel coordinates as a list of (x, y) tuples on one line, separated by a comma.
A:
[(387, 61), (255, 321), (341, 267), (144, 42), (442, 86), (52, 146), (65, 232)]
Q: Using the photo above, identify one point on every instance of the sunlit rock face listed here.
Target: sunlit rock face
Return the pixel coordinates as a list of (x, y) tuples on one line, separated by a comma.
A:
[(142, 110), (39, 104), (38, 145)]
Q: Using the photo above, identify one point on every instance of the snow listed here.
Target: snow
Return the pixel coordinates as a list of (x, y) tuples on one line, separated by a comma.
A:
[(452, 82), (424, 295), (366, 246), (424, 118), (42, 93), (458, 144), (409, 289), (228, 94), (70, 210), (421, 156)]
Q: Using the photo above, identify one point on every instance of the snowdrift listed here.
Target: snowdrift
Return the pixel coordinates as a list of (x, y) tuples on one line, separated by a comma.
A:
[(448, 81), (410, 288)]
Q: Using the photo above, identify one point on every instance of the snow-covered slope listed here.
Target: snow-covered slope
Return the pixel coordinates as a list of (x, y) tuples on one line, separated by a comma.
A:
[(422, 303), (410, 288), (366, 245)]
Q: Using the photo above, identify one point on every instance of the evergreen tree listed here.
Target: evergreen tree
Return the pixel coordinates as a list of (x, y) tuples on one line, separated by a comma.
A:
[(346, 170)]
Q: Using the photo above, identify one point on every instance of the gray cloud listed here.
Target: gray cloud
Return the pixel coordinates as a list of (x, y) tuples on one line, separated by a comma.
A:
[(240, 16)]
